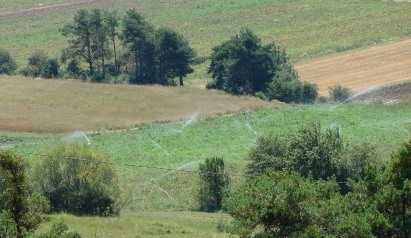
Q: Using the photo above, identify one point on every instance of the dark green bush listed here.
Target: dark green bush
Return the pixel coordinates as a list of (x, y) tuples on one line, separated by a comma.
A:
[(50, 69), (39, 65), (7, 63), (339, 93), (78, 180)]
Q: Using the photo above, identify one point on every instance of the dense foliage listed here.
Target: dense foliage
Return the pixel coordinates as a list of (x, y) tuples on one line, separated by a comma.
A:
[(39, 65), (281, 204), (313, 185), (78, 180), (147, 56), (20, 209), (7, 63), (242, 65), (213, 184)]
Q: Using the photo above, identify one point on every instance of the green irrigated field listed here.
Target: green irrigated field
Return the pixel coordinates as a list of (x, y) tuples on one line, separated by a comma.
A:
[(145, 155), (305, 28)]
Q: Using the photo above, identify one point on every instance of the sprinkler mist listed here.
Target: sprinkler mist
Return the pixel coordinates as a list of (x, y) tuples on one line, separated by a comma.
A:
[(365, 91), (77, 136)]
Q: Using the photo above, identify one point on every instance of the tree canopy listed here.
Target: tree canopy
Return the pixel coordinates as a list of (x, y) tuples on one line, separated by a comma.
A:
[(146, 55), (242, 65)]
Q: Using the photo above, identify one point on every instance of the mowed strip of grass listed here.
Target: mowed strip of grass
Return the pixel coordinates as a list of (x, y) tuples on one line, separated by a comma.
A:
[(305, 28), (28, 105), (145, 224)]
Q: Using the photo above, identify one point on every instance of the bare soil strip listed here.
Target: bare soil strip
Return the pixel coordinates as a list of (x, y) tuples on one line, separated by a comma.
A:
[(43, 9), (362, 69)]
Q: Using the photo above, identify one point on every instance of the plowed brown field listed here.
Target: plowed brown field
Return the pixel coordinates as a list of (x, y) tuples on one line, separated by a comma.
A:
[(360, 69)]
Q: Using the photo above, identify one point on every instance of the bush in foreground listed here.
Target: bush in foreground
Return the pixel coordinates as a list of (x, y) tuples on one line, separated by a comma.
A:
[(20, 209), (78, 180)]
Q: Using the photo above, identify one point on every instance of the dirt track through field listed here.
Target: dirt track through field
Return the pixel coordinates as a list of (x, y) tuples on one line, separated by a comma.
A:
[(46, 8), (360, 69)]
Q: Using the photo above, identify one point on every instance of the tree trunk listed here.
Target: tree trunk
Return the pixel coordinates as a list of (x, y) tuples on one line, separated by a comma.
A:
[(115, 54), (181, 81)]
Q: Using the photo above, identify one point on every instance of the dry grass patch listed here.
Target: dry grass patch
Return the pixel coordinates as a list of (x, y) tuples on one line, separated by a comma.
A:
[(28, 105), (361, 69)]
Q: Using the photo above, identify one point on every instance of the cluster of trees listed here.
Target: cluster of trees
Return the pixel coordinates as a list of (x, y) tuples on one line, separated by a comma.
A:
[(148, 55), (103, 45), (242, 65), (69, 178), (315, 185)]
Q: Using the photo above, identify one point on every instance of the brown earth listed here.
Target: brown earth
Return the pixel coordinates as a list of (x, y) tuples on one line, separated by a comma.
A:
[(361, 69), (39, 10)]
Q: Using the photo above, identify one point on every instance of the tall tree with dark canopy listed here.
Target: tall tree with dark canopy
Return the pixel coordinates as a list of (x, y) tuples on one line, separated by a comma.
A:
[(137, 36), (241, 65), (112, 22), (174, 56), (99, 39), (80, 45)]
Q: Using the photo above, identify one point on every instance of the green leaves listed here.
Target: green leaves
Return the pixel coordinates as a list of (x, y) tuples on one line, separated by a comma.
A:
[(78, 180), (212, 185)]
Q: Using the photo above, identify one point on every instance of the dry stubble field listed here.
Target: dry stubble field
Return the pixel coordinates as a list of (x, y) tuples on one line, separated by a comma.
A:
[(28, 105), (361, 69)]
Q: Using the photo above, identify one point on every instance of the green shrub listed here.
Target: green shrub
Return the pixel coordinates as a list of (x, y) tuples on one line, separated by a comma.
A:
[(59, 230), (282, 204), (7, 63), (39, 65), (78, 180), (213, 184), (339, 93), (269, 153), (50, 69)]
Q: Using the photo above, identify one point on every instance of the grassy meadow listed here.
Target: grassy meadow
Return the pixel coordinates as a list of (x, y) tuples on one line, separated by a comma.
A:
[(146, 224)]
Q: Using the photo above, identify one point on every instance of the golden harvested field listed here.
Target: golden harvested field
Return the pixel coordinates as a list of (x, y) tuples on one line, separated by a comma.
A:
[(29, 105), (360, 69)]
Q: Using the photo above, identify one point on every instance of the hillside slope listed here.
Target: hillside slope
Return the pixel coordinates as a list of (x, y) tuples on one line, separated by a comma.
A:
[(60, 106), (362, 69)]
